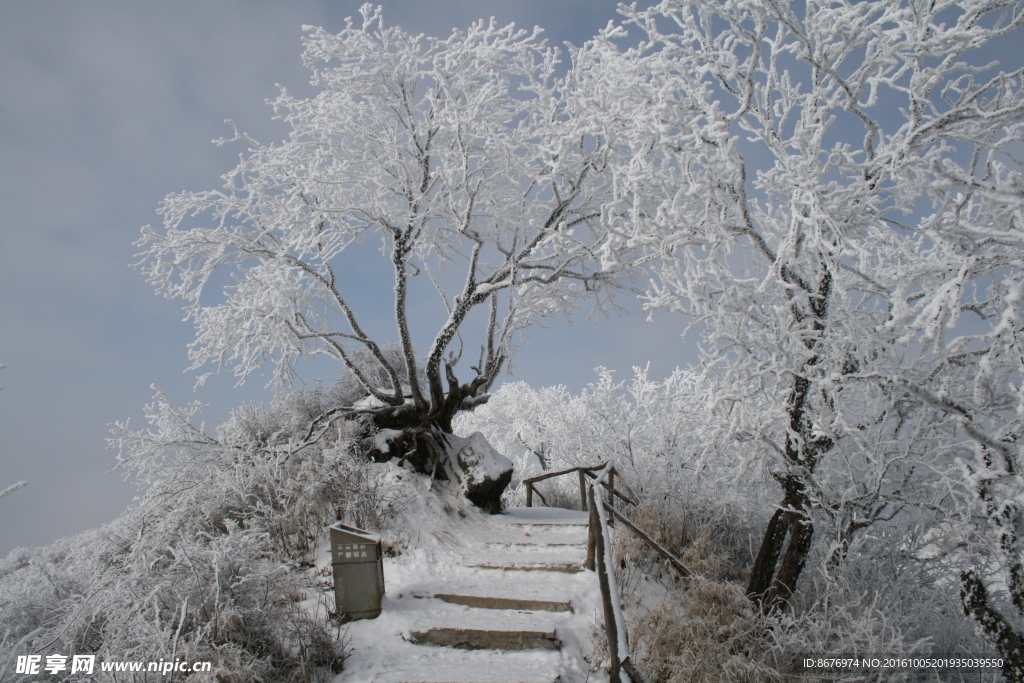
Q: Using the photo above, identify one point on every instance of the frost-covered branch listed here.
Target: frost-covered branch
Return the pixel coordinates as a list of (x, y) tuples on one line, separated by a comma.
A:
[(466, 155), (824, 189), (12, 488)]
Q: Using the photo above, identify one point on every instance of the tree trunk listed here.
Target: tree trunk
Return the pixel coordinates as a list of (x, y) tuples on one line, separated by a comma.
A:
[(768, 556), (417, 445), (977, 605), (801, 533), (790, 531), (788, 536)]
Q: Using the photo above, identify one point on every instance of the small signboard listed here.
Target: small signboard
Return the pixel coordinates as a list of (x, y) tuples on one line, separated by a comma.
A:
[(358, 572)]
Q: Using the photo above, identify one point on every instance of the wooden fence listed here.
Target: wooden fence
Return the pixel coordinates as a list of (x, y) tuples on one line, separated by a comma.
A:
[(599, 553)]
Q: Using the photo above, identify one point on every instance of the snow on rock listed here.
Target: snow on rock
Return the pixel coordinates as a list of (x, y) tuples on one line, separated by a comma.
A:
[(484, 472), (370, 401), (381, 438)]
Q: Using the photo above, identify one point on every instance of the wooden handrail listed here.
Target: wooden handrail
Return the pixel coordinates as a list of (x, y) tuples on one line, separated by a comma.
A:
[(632, 501), (529, 496), (548, 475), (673, 560), (583, 472), (626, 486), (588, 471), (599, 558), (614, 628)]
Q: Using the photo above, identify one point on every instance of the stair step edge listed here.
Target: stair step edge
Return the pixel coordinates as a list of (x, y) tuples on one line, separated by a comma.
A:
[(564, 568), (473, 639), (495, 602)]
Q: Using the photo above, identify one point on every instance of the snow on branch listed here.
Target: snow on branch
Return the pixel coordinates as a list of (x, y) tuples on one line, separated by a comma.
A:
[(458, 155)]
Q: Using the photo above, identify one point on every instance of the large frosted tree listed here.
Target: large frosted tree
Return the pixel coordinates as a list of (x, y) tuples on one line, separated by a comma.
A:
[(833, 192), (462, 158)]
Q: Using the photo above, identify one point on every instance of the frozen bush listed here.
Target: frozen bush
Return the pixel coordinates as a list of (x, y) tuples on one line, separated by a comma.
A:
[(214, 560), (891, 529), (644, 427)]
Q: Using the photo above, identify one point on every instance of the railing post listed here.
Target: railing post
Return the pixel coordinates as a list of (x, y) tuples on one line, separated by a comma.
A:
[(598, 553), (611, 495), (610, 623), (591, 532), (529, 495), (583, 490)]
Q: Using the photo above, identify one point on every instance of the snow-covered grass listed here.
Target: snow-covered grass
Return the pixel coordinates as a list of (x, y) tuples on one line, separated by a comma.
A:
[(214, 560), (895, 591), (222, 557), (705, 628)]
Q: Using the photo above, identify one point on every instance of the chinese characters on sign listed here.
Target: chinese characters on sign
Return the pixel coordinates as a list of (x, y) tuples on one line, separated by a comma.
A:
[(352, 550)]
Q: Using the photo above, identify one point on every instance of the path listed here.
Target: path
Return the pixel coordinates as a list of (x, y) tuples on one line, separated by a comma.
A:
[(503, 600)]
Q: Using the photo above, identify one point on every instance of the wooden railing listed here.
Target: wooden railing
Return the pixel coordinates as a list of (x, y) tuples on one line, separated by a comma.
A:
[(599, 554), (583, 472)]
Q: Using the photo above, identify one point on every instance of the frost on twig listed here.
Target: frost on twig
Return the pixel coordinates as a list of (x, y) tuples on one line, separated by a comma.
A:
[(12, 488), (832, 194), (465, 159)]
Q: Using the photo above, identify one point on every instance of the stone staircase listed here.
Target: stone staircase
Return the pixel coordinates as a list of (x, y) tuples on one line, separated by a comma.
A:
[(506, 601)]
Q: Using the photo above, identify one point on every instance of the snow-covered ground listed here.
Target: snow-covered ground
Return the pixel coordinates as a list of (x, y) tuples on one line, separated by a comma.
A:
[(524, 554)]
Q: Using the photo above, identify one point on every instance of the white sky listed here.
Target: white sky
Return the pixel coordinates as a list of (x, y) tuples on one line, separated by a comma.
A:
[(105, 107)]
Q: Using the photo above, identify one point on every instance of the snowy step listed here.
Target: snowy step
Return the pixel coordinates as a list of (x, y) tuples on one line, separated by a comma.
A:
[(541, 525), (536, 553), (477, 679), (562, 558), (564, 567), (540, 516), (536, 585), (494, 602), (443, 615), (418, 664), (517, 545), (488, 639), (469, 628), (533, 534)]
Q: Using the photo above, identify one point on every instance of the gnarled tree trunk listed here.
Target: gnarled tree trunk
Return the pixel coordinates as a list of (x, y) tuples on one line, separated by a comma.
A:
[(424, 440), (787, 540)]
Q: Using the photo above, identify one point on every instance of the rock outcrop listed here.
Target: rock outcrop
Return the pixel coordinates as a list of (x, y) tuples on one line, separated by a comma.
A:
[(484, 473)]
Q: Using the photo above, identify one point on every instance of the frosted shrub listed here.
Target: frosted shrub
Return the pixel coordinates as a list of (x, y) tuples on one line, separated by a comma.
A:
[(642, 426), (889, 586), (708, 633), (706, 629), (213, 562)]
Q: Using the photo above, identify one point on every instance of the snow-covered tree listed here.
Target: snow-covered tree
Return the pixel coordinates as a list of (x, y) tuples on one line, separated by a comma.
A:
[(641, 425), (12, 488), (462, 157), (833, 194)]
